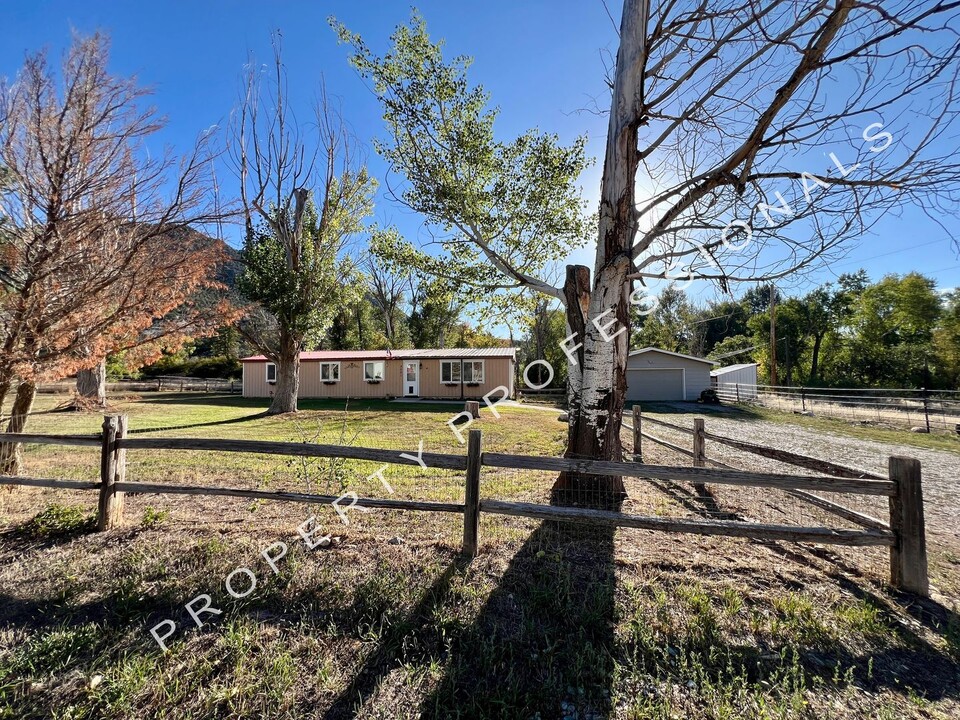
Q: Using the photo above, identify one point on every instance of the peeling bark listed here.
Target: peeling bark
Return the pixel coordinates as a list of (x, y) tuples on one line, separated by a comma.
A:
[(11, 460), (598, 392)]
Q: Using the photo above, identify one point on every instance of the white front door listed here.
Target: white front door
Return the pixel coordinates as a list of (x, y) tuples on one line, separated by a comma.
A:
[(411, 378)]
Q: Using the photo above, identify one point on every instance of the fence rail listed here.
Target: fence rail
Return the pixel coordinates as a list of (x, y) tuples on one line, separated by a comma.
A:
[(904, 534), (908, 555), (167, 383)]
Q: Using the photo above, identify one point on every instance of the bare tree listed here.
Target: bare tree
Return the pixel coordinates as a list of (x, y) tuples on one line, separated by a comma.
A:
[(88, 217), (304, 197)]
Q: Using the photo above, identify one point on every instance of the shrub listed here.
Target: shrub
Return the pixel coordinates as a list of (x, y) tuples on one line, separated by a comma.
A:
[(59, 520)]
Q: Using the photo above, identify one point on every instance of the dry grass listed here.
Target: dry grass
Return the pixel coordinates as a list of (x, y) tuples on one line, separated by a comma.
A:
[(549, 621)]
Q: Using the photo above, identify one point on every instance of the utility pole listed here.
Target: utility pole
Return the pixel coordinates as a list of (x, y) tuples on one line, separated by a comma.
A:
[(773, 334)]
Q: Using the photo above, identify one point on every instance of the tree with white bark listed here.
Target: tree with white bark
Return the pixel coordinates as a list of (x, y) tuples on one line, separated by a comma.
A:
[(304, 197), (761, 139)]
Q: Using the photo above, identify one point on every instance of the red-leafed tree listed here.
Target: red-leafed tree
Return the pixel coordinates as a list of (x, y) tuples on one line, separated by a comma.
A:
[(96, 255)]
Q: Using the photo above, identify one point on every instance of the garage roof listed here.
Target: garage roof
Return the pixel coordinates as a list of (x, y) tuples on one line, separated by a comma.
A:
[(732, 368), (667, 352)]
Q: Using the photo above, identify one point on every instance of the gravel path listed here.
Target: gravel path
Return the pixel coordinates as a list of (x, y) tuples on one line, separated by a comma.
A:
[(940, 469)]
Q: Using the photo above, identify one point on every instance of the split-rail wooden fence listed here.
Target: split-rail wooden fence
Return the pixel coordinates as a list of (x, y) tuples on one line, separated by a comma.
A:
[(904, 534)]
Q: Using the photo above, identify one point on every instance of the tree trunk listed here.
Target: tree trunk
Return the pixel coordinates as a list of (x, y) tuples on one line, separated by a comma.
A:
[(599, 316), (5, 382), (597, 383), (815, 359), (10, 453), (92, 384), (288, 377), (388, 325)]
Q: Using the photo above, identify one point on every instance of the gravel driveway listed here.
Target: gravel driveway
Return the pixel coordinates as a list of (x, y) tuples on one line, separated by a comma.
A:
[(940, 469)]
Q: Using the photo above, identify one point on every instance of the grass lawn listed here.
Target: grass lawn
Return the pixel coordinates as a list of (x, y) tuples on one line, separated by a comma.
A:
[(549, 621)]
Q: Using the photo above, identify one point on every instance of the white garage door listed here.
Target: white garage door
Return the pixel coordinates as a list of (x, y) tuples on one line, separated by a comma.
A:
[(655, 384)]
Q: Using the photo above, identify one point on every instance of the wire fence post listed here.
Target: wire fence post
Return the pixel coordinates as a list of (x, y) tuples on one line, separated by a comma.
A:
[(926, 407), (637, 437), (113, 469), (908, 554), (471, 502)]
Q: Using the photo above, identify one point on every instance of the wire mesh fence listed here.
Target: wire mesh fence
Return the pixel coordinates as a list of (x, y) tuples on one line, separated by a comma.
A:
[(933, 409)]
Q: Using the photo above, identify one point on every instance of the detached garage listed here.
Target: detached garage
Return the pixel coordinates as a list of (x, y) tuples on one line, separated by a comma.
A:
[(660, 375)]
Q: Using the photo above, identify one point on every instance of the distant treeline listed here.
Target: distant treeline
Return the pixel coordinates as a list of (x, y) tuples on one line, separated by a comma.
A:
[(899, 331)]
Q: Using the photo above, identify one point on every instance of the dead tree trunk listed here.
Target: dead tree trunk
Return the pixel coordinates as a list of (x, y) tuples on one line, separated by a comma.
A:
[(92, 385), (10, 453), (288, 376), (599, 316)]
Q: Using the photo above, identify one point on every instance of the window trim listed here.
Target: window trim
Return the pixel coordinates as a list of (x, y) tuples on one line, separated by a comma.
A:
[(383, 371), (330, 364), (267, 372), (451, 364)]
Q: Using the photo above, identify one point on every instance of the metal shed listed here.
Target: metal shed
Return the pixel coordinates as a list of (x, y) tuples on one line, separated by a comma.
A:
[(660, 375), (735, 382)]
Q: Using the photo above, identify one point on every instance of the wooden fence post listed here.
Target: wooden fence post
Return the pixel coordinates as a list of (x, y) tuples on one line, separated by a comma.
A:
[(113, 468), (908, 554), (699, 450), (637, 437), (471, 510)]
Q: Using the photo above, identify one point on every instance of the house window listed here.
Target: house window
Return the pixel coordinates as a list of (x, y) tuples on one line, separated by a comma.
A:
[(373, 371), (473, 371), (271, 372), (450, 371), (330, 371)]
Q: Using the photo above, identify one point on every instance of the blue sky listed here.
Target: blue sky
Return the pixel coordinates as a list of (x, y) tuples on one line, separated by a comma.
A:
[(541, 60)]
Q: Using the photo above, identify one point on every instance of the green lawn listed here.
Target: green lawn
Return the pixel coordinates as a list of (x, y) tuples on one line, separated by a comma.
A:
[(367, 423)]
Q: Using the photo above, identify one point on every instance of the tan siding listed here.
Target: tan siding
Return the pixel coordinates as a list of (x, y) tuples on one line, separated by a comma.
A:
[(255, 380), (497, 371), (351, 382)]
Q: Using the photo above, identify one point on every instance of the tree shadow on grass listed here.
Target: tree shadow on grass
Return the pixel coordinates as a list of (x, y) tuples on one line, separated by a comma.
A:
[(542, 646), (210, 423)]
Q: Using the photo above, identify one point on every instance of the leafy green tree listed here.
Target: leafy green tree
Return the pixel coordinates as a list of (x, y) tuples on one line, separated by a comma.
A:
[(946, 342), (668, 326), (304, 197), (436, 308), (891, 329)]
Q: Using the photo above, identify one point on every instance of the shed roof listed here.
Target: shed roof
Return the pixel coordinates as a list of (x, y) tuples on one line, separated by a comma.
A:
[(674, 354), (732, 368), (437, 353)]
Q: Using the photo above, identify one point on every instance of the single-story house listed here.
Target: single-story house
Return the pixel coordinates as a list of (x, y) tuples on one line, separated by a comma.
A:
[(658, 375), (444, 373), (735, 382)]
